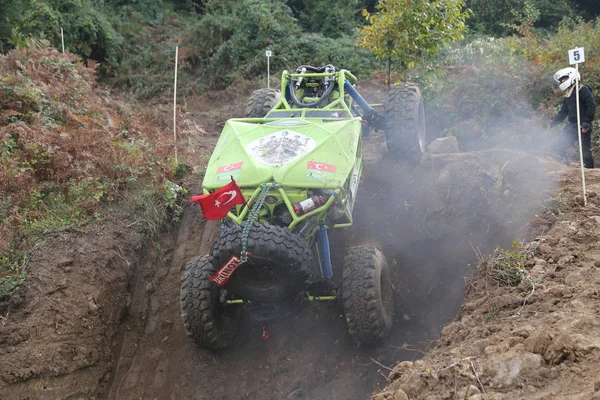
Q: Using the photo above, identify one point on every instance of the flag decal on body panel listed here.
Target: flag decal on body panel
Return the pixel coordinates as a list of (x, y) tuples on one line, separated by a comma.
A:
[(217, 204), (321, 166)]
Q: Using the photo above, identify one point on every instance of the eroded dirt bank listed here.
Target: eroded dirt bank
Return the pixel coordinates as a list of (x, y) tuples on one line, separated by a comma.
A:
[(427, 219), (539, 339)]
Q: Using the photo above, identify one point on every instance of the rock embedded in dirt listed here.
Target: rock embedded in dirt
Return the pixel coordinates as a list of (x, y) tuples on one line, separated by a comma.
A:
[(400, 395), (573, 278), (511, 366), (568, 346), (448, 144), (538, 342)]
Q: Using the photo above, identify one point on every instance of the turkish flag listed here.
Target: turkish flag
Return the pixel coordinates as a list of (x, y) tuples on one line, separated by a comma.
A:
[(217, 204), (321, 166)]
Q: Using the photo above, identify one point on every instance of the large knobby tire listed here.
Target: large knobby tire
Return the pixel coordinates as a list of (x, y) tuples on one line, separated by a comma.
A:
[(405, 123), (367, 294), (210, 322), (261, 101), (278, 265)]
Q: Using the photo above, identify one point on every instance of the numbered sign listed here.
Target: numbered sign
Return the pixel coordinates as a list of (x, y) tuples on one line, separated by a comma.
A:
[(268, 52), (576, 56)]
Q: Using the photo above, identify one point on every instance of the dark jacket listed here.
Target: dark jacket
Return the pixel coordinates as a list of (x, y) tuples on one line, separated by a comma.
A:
[(587, 108)]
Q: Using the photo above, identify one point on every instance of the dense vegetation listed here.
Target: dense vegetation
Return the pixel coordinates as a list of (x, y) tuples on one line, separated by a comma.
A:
[(68, 150)]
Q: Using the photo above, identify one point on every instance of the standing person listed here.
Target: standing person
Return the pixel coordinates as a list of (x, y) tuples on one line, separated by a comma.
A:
[(566, 79)]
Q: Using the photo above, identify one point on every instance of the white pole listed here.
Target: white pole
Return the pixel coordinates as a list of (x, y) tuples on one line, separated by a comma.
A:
[(62, 40), (175, 104), (579, 133), (268, 74)]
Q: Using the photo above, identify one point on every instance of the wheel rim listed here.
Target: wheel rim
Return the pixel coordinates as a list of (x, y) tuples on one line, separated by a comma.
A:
[(259, 276)]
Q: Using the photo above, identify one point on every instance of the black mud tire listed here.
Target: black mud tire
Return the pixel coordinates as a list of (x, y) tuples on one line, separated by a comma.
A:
[(261, 101), (367, 294), (405, 133), (212, 324), (277, 268)]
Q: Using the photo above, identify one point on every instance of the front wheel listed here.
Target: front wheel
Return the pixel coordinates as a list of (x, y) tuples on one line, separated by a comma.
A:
[(208, 319), (367, 294), (405, 123)]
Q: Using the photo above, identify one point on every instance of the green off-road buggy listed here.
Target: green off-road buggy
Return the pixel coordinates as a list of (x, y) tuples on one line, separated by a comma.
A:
[(297, 159)]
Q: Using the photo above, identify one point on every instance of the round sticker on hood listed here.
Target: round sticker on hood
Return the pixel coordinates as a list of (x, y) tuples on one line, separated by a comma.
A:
[(280, 147)]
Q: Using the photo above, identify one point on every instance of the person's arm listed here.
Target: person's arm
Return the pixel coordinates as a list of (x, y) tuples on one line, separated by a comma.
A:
[(588, 111), (560, 117)]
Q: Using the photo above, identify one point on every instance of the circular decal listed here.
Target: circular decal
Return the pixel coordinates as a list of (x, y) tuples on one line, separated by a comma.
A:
[(280, 147)]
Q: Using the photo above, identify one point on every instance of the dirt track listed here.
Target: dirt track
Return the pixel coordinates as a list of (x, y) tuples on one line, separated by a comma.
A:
[(110, 327), (308, 354)]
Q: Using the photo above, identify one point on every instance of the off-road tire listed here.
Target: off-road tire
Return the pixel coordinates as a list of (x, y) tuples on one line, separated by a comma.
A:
[(261, 101), (367, 294), (278, 265), (208, 322), (405, 123)]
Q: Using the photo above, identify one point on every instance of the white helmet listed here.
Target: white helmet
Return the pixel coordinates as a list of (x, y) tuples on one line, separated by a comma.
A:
[(570, 73)]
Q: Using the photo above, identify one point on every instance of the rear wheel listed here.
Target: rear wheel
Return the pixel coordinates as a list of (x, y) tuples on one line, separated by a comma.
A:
[(208, 320), (278, 264), (405, 123), (367, 294), (261, 101)]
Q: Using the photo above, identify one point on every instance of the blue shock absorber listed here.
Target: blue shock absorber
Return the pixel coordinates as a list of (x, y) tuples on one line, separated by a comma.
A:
[(324, 251), (357, 97)]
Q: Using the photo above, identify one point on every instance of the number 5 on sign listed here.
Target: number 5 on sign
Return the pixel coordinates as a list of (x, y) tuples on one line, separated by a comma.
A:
[(576, 56)]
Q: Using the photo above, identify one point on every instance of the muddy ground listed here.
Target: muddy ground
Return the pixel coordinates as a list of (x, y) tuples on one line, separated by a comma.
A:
[(539, 339), (100, 316), (308, 354)]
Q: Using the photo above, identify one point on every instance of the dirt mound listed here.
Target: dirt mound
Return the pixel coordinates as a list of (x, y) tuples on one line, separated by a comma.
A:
[(534, 338)]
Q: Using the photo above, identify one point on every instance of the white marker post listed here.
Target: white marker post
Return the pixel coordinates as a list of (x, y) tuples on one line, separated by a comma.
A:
[(175, 104), (62, 40), (577, 56), (268, 53)]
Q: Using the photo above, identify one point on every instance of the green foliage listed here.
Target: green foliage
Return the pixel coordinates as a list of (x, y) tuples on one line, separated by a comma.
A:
[(332, 18), (12, 274), (66, 153), (406, 30), (173, 194), (87, 30), (483, 95), (502, 17), (507, 267), (232, 36)]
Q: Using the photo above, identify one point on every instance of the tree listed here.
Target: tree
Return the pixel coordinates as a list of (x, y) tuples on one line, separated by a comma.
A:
[(332, 18), (406, 30), (503, 17)]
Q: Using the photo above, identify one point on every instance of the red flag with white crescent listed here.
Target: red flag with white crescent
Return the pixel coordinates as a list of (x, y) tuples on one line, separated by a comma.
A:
[(217, 204), (321, 166)]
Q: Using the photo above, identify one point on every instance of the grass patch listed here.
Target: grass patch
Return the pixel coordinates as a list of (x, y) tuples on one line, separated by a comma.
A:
[(507, 267)]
